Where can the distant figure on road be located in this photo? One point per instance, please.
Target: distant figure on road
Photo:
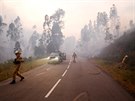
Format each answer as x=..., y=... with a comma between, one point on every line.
x=18, y=60
x=74, y=56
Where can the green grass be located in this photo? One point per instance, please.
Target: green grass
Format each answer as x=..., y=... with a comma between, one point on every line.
x=53, y=62
x=7, y=69
x=126, y=77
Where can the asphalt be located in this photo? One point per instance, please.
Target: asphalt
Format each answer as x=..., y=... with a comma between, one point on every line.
x=68, y=81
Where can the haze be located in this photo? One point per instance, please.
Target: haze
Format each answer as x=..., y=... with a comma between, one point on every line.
x=78, y=12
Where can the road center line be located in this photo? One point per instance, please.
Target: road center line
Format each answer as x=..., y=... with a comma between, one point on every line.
x=52, y=89
x=48, y=94
x=70, y=62
x=64, y=73
x=68, y=66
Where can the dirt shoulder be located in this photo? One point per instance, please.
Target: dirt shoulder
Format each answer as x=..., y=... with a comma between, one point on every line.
x=126, y=77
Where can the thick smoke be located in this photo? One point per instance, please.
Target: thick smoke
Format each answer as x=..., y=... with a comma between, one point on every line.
x=15, y=36
x=94, y=36
x=11, y=38
x=69, y=45
x=99, y=34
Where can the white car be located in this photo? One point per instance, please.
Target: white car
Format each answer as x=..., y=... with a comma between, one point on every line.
x=54, y=58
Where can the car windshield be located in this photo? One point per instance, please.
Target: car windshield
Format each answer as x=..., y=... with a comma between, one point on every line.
x=54, y=54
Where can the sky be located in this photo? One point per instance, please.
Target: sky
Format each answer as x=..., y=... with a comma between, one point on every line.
x=77, y=12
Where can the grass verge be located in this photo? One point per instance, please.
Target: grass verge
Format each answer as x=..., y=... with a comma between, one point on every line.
x=125, y=77
x=6, y=69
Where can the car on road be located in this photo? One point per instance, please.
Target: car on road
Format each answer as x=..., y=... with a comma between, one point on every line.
x=63, y=55
x=54, y=58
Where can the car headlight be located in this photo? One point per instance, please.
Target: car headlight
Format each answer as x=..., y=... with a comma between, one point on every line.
x=48, y=58
x=56, y=58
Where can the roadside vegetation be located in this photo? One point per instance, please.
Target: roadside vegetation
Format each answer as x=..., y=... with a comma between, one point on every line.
x=111, y=60
x=7, y=68
x=126, y=77
x=125, y=45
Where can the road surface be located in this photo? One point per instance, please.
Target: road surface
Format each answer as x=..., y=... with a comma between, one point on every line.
x=68, y=81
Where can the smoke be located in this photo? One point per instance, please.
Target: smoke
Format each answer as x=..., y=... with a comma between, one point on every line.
x=97, y=43
x=91, y=48
x=104, y=31
x=94, y=36
x=7, y=45
x=69, y=45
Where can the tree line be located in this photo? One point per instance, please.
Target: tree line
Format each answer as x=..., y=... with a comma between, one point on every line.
x=40, y=44
x=105, y=30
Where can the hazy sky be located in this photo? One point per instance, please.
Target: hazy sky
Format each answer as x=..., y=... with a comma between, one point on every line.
x=78, y=12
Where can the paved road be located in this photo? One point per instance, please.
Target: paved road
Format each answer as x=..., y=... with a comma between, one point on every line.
x=68, y=81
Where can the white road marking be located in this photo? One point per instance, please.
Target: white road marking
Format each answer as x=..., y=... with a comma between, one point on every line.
x=64, y=73
x=52, y=89
x=40, y=73
x=83, y=95
x=70, y=62
x=68, y=66
x=48, y=94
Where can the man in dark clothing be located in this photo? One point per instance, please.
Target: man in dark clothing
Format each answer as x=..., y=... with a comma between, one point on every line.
x=74, y=56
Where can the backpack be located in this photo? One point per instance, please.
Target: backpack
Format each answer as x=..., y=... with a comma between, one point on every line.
x=16, y=62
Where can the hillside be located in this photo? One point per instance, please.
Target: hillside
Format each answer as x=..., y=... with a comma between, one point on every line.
x=125, y=45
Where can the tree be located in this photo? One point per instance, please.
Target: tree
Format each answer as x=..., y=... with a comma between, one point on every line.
x=58, y=24
x=131, y=24
x=2, y=25
x=15, y=32
x=34, y=38
x=108, y=36
x=34, y=41
x=85, y=34
x=114, y=22
x=102, y=19
x=113, y=11
x=17, y=47
x=52, y=36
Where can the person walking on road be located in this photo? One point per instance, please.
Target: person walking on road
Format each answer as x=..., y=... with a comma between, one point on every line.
x=74, y=57
x=18, y=60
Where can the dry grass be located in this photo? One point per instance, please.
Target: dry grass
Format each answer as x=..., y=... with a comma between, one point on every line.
x=6, y=69
x=125, y=77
